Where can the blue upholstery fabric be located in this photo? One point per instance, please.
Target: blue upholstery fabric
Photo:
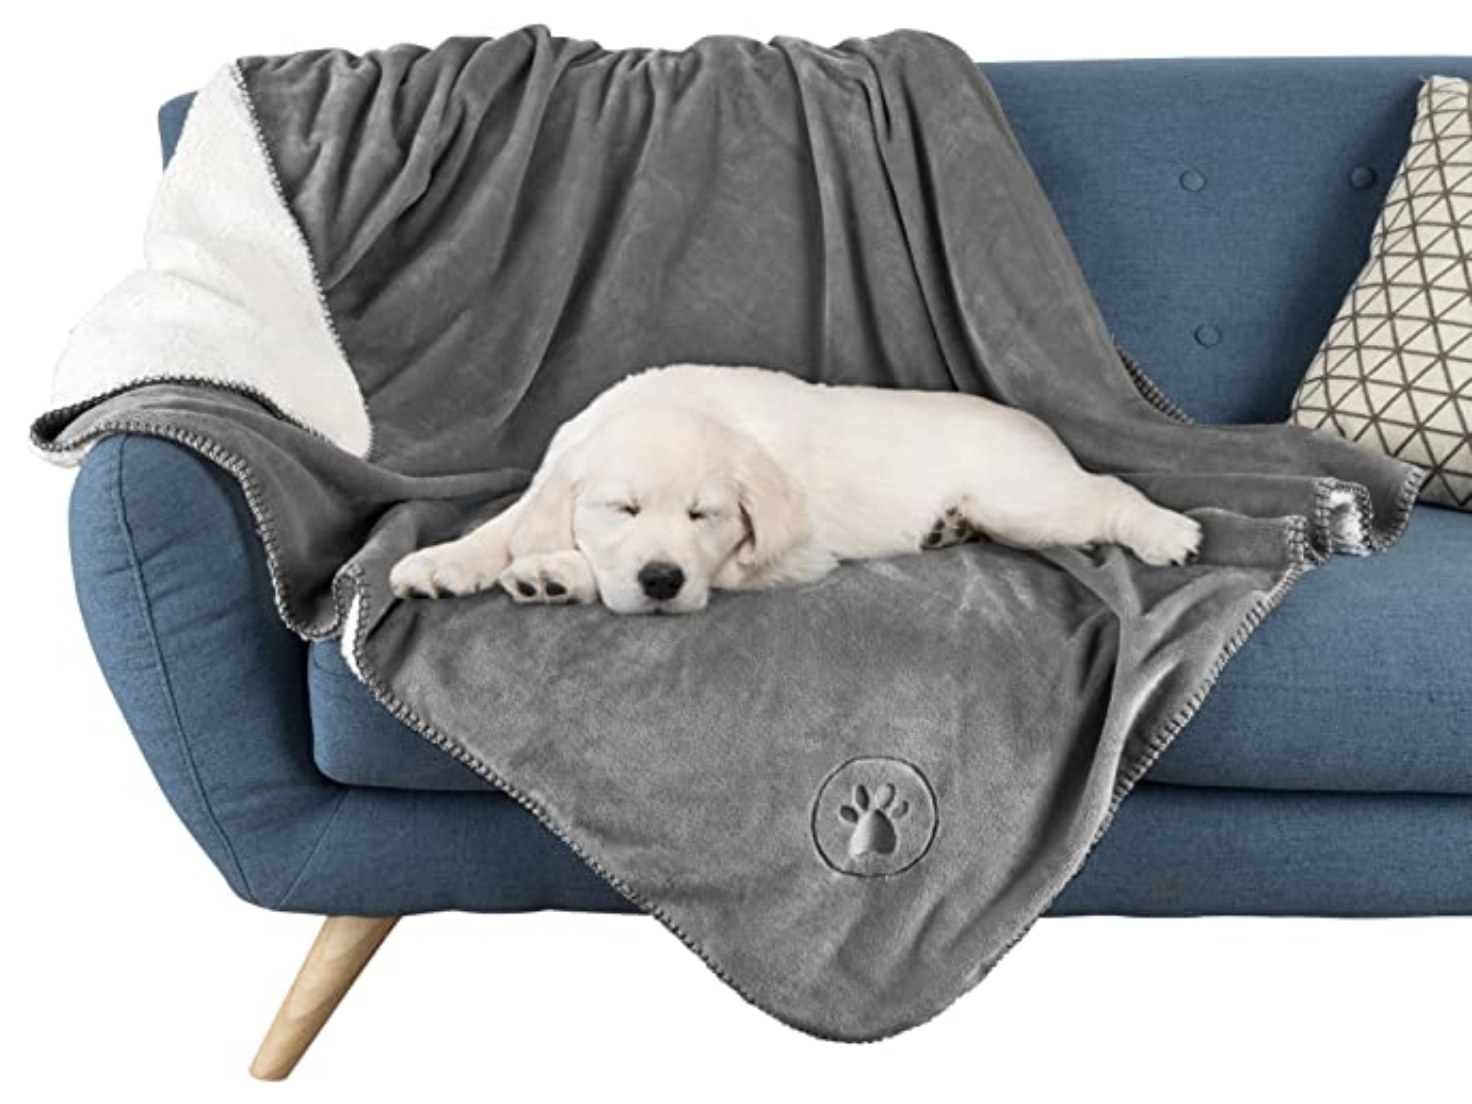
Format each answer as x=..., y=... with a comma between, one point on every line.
x=1220, y=282
x=1177, y=851
x=1213, y=204
x=1358, y=681
x=177, y=603
x=356, y=741
x=171, y=118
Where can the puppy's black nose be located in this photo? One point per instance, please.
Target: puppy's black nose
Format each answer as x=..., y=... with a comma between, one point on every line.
x=661, y=580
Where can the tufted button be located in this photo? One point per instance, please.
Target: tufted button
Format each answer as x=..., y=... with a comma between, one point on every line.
x=1192, y=180
x=1207, y=335
x=1363, y=177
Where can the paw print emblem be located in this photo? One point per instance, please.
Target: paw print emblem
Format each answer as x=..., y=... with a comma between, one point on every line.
x=873, y=821
x=874, y=816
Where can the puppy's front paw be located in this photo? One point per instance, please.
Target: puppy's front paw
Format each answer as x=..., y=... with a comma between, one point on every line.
x=551, y=578
x=443, y=571
x=1166, y=537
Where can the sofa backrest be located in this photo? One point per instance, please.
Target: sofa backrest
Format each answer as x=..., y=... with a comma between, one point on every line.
x=1220, y=208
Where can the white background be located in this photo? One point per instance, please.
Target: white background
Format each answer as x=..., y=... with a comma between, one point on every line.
x=127, y=967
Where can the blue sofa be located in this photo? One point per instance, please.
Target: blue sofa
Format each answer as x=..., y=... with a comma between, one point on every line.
x=1220, y=209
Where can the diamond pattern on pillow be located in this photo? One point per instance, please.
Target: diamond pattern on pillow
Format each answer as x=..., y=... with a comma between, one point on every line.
x=1394, y=372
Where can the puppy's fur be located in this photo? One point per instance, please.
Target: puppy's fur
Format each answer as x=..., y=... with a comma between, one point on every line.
x=687, y=478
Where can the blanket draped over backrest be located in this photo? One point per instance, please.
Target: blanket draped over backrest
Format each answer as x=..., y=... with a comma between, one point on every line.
x=376, y=284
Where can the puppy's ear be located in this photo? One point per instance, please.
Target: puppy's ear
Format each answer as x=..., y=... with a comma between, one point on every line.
x=544, y=514
x=774, y=507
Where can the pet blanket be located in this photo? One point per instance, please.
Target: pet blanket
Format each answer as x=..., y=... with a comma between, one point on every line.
x=375, y=285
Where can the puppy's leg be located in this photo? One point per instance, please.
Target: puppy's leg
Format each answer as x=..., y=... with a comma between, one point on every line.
x=472, y=563
x=1125, y=516
x=546, y=566
x=1157, y=535
x=804, y=564
x=537, y=525
x=550, y=578
x=1083, y=510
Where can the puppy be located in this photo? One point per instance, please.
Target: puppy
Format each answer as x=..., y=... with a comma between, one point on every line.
x=688, y=478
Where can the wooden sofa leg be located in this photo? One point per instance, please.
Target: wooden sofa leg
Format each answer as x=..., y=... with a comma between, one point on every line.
x=342, y=948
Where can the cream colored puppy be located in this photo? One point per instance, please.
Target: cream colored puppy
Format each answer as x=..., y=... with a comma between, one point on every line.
x=687, y=478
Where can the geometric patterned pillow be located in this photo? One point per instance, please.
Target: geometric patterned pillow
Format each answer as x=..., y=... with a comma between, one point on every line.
x=1394, y=371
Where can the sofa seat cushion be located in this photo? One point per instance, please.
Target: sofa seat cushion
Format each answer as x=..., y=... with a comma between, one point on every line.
x=1358, y=682
x=358, y=741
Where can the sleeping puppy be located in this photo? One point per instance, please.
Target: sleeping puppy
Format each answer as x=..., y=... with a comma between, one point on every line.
x=688, y=478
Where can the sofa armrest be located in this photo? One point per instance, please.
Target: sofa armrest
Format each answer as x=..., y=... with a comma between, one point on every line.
x=177, y=604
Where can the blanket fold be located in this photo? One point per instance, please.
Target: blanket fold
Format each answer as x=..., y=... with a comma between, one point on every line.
x=377, y=283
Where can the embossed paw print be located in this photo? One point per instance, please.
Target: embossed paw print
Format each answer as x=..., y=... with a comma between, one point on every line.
x=874, y=821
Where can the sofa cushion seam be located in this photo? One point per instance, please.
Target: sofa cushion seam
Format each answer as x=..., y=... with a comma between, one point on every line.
x=337, y=805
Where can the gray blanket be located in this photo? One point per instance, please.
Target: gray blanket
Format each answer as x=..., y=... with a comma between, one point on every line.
x=375, y=286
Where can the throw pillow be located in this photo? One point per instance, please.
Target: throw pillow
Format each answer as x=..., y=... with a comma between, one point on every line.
x=1395, y=370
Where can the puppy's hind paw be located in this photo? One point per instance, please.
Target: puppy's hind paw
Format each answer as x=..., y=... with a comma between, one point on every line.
x=952, y=527
x=1166, y=537
x=550, y=578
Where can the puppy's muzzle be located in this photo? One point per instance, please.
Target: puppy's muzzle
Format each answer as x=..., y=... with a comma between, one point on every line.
x=661, y=581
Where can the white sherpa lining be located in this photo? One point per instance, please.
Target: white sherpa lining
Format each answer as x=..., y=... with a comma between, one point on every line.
x=1346, y=527
x=348, y=643
x=228, y=293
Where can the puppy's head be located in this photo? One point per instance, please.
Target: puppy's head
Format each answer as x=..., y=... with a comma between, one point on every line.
x=662, y=497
